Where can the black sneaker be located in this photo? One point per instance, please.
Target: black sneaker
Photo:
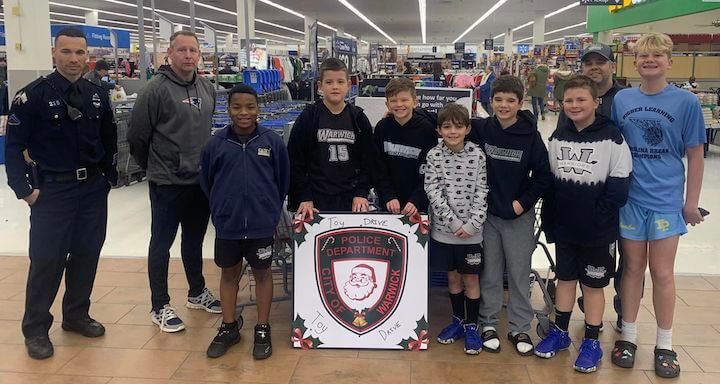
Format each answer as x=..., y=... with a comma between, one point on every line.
x=228, y=335
x=262, y=349
x=39, y=347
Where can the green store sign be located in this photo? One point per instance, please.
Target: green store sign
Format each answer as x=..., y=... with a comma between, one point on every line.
x=634, y=12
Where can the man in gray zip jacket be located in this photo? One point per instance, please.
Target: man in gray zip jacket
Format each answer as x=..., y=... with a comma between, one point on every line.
x=171, y=122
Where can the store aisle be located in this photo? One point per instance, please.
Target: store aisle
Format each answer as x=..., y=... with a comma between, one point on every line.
x=129, y=221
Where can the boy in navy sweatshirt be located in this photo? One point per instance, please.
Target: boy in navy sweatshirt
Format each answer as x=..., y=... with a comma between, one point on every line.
x=245, y=174
x=403, y=139
x=332, y=156
x=518, y=174
x=591, y=162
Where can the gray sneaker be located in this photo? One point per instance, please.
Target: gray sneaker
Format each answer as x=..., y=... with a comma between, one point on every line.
x=205, y=301
x=167, y=319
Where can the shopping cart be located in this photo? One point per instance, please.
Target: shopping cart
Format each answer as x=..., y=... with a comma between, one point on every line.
x=281, y=266
x=128, y=169
x=547, y=284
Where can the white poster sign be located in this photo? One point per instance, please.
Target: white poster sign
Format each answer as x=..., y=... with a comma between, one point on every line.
x=429, y=98
x=360, y=281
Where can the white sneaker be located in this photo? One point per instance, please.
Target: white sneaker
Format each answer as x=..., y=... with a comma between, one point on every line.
x=205, y=301
x=167, y=319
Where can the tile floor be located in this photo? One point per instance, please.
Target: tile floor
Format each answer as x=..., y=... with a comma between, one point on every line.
x=133, y=351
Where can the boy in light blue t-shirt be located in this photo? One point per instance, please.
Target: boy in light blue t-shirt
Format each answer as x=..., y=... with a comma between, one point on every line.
x=661, y=124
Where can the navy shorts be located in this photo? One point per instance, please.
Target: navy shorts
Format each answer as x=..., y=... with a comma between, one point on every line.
x=257, y=252
x=463, y=258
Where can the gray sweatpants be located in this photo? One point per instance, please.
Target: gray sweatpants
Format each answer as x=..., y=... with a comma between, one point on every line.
x=508, y=245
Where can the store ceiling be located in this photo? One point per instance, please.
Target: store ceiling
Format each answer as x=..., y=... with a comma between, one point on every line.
x=400, y=19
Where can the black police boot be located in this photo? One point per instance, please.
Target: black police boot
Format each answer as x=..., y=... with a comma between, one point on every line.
x=86, y=327
x=39, y=347
x=228, y=335
x=263, y=346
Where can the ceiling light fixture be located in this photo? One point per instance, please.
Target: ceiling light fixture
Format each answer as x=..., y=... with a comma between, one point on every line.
x=279, y=26
x=499, y=36
x=365, y=19
x=480, y=20
x=327, y=26
x=91, y=10
x=566, y=28
x=280, y=7
x=276, y=35
x=549, y=15
x=350, y=36
x=423, y=19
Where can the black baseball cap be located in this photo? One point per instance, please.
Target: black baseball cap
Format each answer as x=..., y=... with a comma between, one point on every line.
x=599, y=49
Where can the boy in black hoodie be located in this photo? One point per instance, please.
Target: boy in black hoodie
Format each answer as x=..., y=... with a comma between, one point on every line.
x=518, y=174
x=591, y=162
x=331, y=150
x=403, y=139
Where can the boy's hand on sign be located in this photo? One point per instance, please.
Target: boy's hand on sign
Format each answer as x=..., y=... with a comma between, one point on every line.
x=360, y=204
x=410, y=210
x=393, y=206
x=307, y=210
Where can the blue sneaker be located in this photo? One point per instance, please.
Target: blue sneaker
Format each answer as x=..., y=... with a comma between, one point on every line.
x=557, y=340
x=589, y=357
x=452, y=332
x=473, y=343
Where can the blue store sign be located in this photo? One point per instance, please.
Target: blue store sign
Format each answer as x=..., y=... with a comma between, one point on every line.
x=96, y=36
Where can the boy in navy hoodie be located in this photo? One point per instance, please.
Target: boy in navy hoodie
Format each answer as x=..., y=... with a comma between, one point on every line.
x=518, y=174
x=403, y=139
x=591, y=162
x=332, y=156
x=245, y=174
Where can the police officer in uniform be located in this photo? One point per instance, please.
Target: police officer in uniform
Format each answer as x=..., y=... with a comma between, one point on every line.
x=61, y=151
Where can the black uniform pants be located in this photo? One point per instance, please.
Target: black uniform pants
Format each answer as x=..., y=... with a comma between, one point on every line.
x=173, y=206
x=67, y=232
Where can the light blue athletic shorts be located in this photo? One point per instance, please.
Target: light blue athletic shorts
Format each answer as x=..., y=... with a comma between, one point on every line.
x=638, y=223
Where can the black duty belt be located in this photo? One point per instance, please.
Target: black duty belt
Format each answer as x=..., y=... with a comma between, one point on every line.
x=79, y=174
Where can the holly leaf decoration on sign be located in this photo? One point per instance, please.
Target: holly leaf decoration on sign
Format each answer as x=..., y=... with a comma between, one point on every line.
x=422, y=229
x=299, y=229
x=315, y=342
x=405, y=344
x=420, y=339
x=299, y=323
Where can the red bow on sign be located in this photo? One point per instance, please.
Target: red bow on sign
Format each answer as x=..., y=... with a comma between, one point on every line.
x=415, y=345
x=297, y=337
x=424, y=224
x=298, y=223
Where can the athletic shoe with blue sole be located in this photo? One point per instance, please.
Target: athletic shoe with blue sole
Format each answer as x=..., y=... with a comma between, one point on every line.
x=557, y=340
x=473, y=342
x=589, y=356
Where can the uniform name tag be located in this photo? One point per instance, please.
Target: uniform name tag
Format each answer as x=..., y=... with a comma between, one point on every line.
x=264, y=152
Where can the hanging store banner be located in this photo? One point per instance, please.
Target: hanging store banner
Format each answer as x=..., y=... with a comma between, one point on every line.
x=166, y=28
x=374, y=57
x=429, y=98
x=314, y=48
x=364, y=282
x=96, y=36
x=346, y=50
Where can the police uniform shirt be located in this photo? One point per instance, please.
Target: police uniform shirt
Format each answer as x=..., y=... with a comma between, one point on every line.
x=40, y=122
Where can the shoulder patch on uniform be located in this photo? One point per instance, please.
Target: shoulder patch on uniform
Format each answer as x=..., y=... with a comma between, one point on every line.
x=20, y=98
x=13, y=120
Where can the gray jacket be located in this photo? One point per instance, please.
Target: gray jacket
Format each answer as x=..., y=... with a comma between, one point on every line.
x=456, y=185
x=170, y=124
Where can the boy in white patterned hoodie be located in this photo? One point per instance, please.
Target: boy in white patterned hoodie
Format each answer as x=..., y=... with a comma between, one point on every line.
x=456, y=185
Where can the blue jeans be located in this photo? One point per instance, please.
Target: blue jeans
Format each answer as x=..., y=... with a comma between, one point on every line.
x=538, y=103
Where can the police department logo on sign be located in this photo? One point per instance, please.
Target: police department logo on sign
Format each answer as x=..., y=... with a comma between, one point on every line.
x=361, y=275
